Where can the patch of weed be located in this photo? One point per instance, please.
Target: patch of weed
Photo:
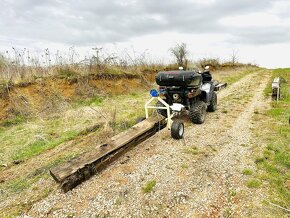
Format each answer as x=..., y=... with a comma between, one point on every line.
x=2, y=130
x=259, y=160
x=227, y=212
x=283, y=158
x=232, y=193
x=66, y=72
x=275, y=112
x=272, y=147
x=247, y=172
x=267, y=154
x=149, y=186
x=134, y=94
x=94, y=101
x=13, y=121
x=20, y=184
x=184, y=166
x=192, y=150
x=253, y=183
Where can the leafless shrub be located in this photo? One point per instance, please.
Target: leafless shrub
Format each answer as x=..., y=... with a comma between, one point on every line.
x=24, y=65
x=84, y=89
x=234, y=57
x=214, y=63
x=180, y=53
x=18, y=65
x=19, y=105
x=53, y=104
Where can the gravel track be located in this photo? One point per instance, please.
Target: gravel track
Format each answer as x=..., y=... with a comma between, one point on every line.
x=199, y=176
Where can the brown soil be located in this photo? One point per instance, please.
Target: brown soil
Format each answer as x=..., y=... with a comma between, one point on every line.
x=43, y=95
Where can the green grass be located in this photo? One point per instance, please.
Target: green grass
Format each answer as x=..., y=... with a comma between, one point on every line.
x=274, y=160
x=67, y=73
x=247, y=172
x=13, y=121
x=274, y=112
x=253, y=183
x=184, y=166
x=238, y=75
x=259, y=160
x=20, y=184
x=2, y=130
x=94, y=101
x=128, y=108
x=41, y=146
x=192, y=150
x=149, y=186
x=284, y=74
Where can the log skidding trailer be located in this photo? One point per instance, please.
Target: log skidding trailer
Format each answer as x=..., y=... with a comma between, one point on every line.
x=75, y=171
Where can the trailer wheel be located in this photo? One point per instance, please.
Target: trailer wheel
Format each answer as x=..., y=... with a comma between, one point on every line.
x=177, y=129
x=163, y=112
x=213, y=103
x=197, y=112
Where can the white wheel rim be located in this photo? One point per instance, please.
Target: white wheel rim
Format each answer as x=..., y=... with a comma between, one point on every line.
x=181, y=130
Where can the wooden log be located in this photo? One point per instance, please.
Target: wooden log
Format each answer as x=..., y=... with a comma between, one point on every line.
x=74, y=172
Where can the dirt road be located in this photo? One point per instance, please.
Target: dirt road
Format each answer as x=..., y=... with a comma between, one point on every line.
x=198, y=177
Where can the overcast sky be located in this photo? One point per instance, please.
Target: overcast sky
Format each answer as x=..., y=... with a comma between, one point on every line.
x=258, y=30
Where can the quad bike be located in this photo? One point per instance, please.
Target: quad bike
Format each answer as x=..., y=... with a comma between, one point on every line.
x=194, y=90
x=180, y=90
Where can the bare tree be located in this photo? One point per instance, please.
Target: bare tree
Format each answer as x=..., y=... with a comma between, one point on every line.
x=234, y=57
x=180, y=52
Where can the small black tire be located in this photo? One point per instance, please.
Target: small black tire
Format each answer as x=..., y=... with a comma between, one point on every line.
x=213, y=103
x=163, y=112
x=140, y=119
x=177, y=129
x=197, y=112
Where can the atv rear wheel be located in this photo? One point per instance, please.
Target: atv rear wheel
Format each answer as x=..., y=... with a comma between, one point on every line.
x=197, y=112
x=163, y=112
x=177, y=129
x=213, y=103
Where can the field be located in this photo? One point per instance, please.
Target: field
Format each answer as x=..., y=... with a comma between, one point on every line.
x=235, y=164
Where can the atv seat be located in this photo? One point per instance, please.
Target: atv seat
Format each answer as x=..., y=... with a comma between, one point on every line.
x=206, y=77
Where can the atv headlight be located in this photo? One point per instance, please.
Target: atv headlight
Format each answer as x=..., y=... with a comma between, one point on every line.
x=175, y=96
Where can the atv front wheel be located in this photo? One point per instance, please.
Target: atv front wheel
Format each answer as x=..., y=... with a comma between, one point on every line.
x=213, y=103
x=177, y=129
x=197, y=112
